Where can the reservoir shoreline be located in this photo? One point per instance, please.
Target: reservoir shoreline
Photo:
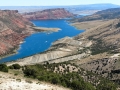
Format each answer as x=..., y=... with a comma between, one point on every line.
x=66, y=30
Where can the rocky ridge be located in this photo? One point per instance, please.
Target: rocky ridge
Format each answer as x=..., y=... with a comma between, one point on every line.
x=13, y=29
x=58, y=13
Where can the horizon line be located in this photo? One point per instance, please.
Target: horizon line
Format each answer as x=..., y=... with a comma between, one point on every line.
x=55, y=5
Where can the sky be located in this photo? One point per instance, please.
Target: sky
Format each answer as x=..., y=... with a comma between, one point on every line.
x=53, y=2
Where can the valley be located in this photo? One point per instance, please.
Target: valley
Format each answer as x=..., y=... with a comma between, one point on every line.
x=91, y=55
x=43, y=40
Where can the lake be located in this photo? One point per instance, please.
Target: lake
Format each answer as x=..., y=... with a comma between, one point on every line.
x=39, y=42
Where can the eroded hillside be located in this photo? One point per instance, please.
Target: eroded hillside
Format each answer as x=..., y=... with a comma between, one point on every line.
x=105, y=48
x=58, y=13
x=105, y=36
x=13, y=29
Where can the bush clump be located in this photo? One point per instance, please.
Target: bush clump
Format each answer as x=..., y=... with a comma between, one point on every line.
x=70, y=80
x=3, y=68
x=15, y=66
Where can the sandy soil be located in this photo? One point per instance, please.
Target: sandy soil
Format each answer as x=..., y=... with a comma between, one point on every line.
x=11, y=82
x=46, y=29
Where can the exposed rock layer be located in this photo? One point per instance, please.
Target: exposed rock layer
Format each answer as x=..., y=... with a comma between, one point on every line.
x=13, y=29
x=58, y=13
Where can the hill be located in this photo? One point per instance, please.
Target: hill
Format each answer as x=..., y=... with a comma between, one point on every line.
x=62, y=74
x=58, y=13
x=13, y=29
x=12, y=80
x=102, y=27
x=105, y=48
x=101, y=15
x=97, y=50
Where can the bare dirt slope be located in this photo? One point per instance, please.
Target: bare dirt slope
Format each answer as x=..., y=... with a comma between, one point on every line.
x=11, y=82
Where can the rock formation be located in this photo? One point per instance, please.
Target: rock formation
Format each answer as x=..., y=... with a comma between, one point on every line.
x=58, y=13
x=13, y=29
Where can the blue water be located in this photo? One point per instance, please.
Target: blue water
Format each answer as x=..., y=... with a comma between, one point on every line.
x=39, y=42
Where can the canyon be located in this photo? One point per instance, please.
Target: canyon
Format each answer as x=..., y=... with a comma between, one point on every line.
x=14, y=28
x=96, y=50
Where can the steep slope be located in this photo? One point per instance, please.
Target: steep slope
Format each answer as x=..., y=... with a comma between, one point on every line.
x=102, y=28
x=9, y=81
x=105, y=36
x=94, y=50
x=13, y=29
x=58, y=13
x=68, y=75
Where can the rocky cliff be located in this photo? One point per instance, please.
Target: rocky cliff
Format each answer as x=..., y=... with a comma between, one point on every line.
x=58, y=13
x=13, y=29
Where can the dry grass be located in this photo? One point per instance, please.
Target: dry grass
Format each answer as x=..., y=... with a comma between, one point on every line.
x=89, y=24
x=90, y=58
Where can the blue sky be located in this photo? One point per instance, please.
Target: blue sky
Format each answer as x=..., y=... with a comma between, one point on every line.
x=53, y=2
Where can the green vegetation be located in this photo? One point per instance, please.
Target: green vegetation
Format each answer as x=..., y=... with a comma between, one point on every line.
x=54, y=74
x=15, y=66
x=118, y=25
x=70, y=80
x=3, y=68
x=106, y=85
x=65, y=74
x=101, y=47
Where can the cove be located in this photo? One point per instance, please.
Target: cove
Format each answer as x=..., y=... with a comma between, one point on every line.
x=39, y=42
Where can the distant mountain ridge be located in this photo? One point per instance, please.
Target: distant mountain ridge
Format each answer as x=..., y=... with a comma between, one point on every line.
x=77, y=9
x=104, y=14
x=58, y=13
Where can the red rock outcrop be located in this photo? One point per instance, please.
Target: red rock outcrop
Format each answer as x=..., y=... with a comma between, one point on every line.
x=58, y=13
x=13, y=29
